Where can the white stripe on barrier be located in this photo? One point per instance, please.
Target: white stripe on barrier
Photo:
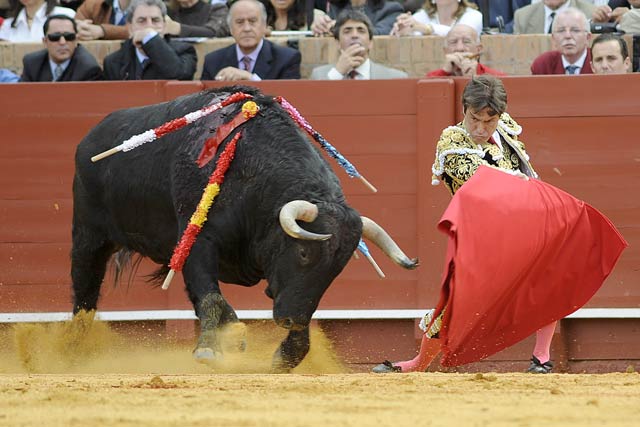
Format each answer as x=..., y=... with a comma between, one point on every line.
x=113, y=316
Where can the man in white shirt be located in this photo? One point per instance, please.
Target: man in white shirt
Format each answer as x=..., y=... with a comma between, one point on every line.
x=353, y=31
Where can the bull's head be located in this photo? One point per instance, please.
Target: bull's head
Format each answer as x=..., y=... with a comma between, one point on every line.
x=306, y=267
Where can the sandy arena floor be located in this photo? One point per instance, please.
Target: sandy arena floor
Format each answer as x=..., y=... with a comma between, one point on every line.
x=111, y=381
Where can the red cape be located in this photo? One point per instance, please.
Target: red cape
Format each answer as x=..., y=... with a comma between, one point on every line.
x=520, y=255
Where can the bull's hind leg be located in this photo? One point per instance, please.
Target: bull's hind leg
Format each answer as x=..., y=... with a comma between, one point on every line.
x=291, y=351
x=89, y=256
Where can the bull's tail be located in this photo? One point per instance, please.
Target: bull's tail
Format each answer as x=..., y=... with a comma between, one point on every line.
x=127, y=260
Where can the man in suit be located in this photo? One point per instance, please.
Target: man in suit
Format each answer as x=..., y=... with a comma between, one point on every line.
x=354, y=32
x=63, y=60
x=462, y=49
x=571, y=34
x=147, y=54
x=537, y=18
x=252, y=57
x=501, y=12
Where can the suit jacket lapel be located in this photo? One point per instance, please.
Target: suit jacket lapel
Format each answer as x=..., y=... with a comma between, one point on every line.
x=230, y=58
x=536, y=23
x=45, y=71
x=263, y=62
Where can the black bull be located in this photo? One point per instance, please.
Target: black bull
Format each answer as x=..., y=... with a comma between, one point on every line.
x=141, y=201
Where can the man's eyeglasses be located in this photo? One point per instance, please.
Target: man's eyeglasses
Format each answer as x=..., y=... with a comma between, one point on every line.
x=54, y=37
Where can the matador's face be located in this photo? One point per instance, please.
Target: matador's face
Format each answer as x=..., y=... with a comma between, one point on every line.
x=480, y=124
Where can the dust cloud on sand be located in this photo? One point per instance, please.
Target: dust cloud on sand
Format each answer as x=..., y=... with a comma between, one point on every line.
x=49, y=378
x=85, y=346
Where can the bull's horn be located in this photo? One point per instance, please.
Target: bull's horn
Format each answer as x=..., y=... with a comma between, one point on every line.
x=303, y=211
x=381, y=239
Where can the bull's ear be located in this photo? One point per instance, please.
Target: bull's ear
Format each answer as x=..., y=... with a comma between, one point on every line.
x=303, y=211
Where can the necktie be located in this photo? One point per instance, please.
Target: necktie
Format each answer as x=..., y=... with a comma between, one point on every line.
x=571, y=69
x=57, y=73
x=142, y=66
x=352, y=75
x=553, y=15
x=246, y=63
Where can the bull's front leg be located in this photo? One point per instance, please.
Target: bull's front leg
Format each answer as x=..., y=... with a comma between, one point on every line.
x=215, y=314
x=201, y=277
x=291, y=351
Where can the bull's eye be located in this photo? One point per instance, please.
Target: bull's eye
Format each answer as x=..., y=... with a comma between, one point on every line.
x=303, y=256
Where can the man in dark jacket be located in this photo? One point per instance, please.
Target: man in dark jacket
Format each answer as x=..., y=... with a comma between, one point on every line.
x=148, y=55
x=63, y=60
x=252, y=57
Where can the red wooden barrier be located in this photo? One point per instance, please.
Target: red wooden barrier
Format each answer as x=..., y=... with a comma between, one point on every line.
x=580, y=133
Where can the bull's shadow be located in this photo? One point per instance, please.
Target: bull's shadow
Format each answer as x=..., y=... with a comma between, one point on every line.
x=149, y=198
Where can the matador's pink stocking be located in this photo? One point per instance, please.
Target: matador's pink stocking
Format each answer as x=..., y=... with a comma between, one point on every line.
x=543, y=342
x=429, y=349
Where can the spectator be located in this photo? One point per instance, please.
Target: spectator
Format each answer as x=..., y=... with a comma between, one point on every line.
x=538, y=18
x=462, y=50
x=102, y=19
x=196, y=18
x=382, y=14
x=630, y=21
x=438, y=17
x=147, y=54
x=610, y=55
x=8, y=76
x=27, y=18
x=354, y=33
x=252, y=57
x=286, y=15
x=501, y=13
x=612, y=12
x=571, y=34
x=62, y=60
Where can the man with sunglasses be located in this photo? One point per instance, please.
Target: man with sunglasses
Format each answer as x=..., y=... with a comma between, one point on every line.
x=63, y=60
x=571, y=35
x=148, y=54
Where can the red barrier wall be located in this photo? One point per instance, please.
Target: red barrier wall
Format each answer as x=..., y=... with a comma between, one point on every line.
x=580, y=132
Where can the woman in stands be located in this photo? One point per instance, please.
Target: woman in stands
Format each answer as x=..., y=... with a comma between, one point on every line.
x=438, y=17
x=27, y=17
x=286, y=15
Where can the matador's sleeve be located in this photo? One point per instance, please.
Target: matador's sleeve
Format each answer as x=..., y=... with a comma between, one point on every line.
x=457, y=158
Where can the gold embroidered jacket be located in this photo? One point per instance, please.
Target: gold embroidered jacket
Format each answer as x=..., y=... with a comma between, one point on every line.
x=458, y=158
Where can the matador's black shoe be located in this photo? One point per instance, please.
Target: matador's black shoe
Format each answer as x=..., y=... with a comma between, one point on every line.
x=539, y=368
x=385, y=368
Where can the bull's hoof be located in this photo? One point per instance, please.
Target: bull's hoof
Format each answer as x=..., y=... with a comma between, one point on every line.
x=206, y=355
